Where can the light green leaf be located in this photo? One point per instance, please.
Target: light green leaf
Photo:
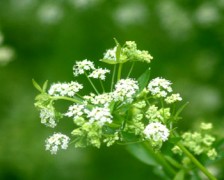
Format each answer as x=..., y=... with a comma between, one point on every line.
x=144, y=79
x=109, y=61
x=180, y=175
x=45, y=85
x=37, y=86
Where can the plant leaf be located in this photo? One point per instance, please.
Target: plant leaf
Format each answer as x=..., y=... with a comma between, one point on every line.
x=37, y=86
x=180, y=175
x=45, y=85
x=144, y=79
x=109, y=61
x=142, y=154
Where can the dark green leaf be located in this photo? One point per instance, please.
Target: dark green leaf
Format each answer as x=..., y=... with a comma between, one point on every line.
x=144, y=79
x=37, y=86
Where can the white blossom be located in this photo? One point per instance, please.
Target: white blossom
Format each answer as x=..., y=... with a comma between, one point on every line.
x=75, y=111
x=125, y=90
x=65, y=89
x=173, y=98
x=57, y=141
x=100, y=114
x=110, y=54
x=47, y=116
x=99, y=73
x=159, y=87
x=101, y=99
x=81, y=66
x=156, y=131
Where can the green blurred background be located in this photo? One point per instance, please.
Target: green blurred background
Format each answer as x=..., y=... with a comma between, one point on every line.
x=42, y=40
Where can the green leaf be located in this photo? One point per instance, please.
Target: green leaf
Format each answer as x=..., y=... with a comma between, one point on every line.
x=143, y=154
x=144, y=79
x=45, y=85
x=180, y=175
x=37, y=86
x=109, y=61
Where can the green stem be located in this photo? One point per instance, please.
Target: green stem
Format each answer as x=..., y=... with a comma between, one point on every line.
x=113, y=77
x=196, y=162
x=132, y=66
x=92, y=84
x=161, y=160
x=119, y=72
x=101, y=83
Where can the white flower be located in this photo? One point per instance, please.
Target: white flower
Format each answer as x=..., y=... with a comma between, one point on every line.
x=159, y=87
x=99, y=73
x=81, y=66
x=101, y=99
x=57, y=141
x=101, y=115
x=125, y=90
x=156, y=131
x=65, y=89
x=75, y=110
x=110, y=54
x=47, y=117
x=173, y=98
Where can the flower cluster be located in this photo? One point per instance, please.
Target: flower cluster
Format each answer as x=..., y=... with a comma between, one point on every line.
x=199, y=142
x=81, y=67
x=156, y=132
x=57, y=141
x=99, y=73
x=48, y=117
x=65, y=89
x=125, y=89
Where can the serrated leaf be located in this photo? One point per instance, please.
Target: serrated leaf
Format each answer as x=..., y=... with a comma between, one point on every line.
x=144, y=79
x=180, y=175
x=37, y=86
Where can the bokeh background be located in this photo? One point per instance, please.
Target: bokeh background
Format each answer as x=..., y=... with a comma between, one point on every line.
x=42, y=39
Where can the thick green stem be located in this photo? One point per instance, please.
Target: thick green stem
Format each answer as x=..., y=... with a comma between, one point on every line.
x=92, y=84
x=196, y=162
x=119, y=72
x=113, y=78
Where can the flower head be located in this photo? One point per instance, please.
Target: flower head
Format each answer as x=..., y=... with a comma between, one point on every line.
x=65, y=89
x=57, y=141
x=47, y=116
x=173, y=98
x=156, y=131
x=125, y=89
x=159, y=87
x=99, y=73
x=101, y=115
x=101, y=99
x=75, y=111
x=110, y=54
x=81, y=66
